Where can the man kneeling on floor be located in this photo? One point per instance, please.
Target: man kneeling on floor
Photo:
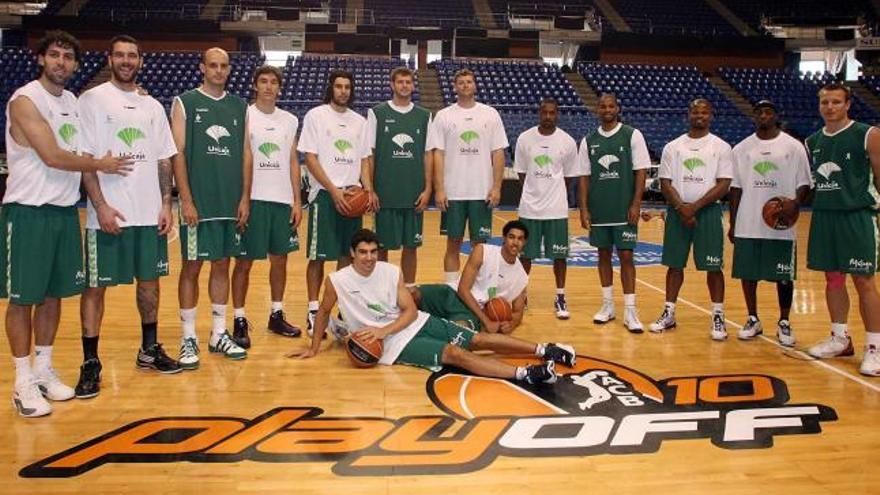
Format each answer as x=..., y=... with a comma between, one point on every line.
x=373, y=299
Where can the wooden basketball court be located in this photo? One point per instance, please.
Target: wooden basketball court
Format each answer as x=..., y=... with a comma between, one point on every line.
x=675, y=412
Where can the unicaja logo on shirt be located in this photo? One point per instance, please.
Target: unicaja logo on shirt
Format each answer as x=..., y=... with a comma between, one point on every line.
x=606, y=161
x=401, y=140
x=378, y=308
x=469, y=137
x=67, y=131
x=343, y=146
x=216, y=132
x=825, y=170
x=543, y=161
x=693, y=163
x=129, y=135
x=268, y=149
x=764, y=168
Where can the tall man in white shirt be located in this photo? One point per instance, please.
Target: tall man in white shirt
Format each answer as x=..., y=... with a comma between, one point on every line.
x=469, y=140
x=41, y=251
x=331, y=141
x=546, y=160
x=128, y=218
x=610, y=195
x=275, y=204
x=695, y=172
x=767, y=164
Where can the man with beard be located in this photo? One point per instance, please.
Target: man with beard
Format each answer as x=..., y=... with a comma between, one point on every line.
x=374, y=300
x=695, y=172
x=767, y=164
x=490, y=271
x=331, y=141
x=546, y=159
x=610, y=196
x=469, y=140
x=128, y=218
x=399, y=168
x=41, y=251
x=275, y=204
x=213, y=176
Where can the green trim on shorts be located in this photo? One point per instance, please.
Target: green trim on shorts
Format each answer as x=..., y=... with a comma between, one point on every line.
x=329, y=235
x=41, y=252
x=138, y=252
x=269, y=231
x=608, y=236
x=399, y=227
x=210, y=240
x=843, y=241
x=550, y=234
x=425, y=350
x=764, y=259
x=475, y=213
x=707, y=238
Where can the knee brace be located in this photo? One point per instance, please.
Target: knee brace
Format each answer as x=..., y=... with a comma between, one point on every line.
x=834, y=280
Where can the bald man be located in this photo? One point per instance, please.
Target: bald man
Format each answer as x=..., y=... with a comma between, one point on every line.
x=213, y=175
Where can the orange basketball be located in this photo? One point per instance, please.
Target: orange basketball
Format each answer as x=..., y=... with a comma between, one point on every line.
x=362, y=354
x=774, y=214
x=358, y=202
x=498, y=309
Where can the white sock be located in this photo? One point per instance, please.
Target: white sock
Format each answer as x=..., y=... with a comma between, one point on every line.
x=42, y=358
x=313, y=305
x=277, y=306
x=218, y=315
x=717, y=308
x=839, y=330
x=188, y=322
x=608, y=293
x=409, y=286
x=541, y=348
x=451, y=278
x=238, y=313
x=23, y=372
x=670, y=307
x=873, y=338
x=520, y=373
x=560, y=292
x=629, y=300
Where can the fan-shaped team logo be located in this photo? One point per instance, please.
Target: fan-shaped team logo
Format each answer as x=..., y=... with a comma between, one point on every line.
x=130, y=134
x=66, y=132
x=765, y=167
x=596, y=407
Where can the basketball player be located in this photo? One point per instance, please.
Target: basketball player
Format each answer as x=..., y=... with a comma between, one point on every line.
x=331, y=141
x=615, y=157
x=469, y=140
x=491, y=271
x=213, y=176
x=400, y=170
x=41, y=251
x=375, y=302
x=695, y=172
x=128, y=218
x=767, y=164
x=843, y=232
x=546, y=159
x=275, y=210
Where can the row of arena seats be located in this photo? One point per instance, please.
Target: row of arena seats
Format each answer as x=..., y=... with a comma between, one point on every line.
x=510, y=83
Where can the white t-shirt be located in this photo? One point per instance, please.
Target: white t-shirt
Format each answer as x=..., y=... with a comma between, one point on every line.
x=764, y=169
x=467, y=136
x=498, y=278
x=546, y=161
x=32, y=182
x=336, y=138
x=272, y=137
x=694, y=165
x=133, y=125
x=372, y=301
x=641, y=159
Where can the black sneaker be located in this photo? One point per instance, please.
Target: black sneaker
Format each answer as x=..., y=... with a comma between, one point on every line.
x=89, y=383
x=541, y=373
x=240, y=332
x=277, y=324
x=155, y=358
x=560, y=354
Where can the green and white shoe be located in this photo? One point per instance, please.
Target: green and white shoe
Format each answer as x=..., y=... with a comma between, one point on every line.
x=223, y=343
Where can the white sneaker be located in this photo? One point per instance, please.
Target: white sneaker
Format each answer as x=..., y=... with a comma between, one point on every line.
x=310, y=321
x=833, y=346
x=50, y=385
x=784, y=333
x=870, y=362
x=223, y=344
x=189, y=353
x=631, y=320
x=29, y=401
x=338, y=329
x=605, y=314
x=666, y=321
x=719, y=328
x=751, y=329
x=561, y=308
